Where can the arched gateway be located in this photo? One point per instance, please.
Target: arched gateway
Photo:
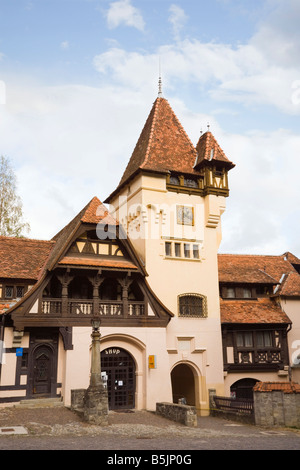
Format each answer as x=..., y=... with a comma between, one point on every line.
x=183, y=384
x=118, y=370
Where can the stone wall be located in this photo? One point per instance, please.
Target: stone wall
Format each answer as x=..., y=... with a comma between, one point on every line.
x=77, y=397
x=183, y=414
x=277, y=404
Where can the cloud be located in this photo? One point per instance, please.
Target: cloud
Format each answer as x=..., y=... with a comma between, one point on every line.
x=64, y=45
x=263, y=209
x=123, y=12
x=177, y=18
x=240, y=74
x=73, y=142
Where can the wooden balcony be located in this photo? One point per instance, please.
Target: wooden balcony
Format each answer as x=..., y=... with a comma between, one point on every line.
x=85, y=308
x=256, y=359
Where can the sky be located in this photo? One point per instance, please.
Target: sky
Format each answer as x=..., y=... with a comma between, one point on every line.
x=78, y=79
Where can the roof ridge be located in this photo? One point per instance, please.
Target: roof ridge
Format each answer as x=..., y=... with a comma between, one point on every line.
x=182, y=128
x=151, y=131
x=4, y=237
x=249, y=254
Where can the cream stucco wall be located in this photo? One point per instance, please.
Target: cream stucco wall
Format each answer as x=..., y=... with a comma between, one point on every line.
x=292, y=308
x=140, y=343
x=147, y=211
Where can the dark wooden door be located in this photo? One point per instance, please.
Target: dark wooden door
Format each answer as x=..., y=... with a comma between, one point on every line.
x=119, y=367
x=42, y=370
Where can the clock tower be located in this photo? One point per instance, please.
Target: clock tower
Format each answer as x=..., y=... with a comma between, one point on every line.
x=169, y=201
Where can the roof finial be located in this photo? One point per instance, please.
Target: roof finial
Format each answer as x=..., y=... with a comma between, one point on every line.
x=159, y=83
x=159, y=88
x=208, y=126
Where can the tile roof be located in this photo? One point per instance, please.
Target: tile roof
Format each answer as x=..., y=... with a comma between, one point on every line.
x=252, y=268
x=290, y=286
x=96, y=212
x=99, y=262
x=285, y=387
x=5, y=306
x=261, y=310
x=291, y=258
x=93, y=213
x=209, y=150
x=23, y=258
x=164, y=146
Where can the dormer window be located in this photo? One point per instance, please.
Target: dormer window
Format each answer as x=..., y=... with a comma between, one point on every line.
x=174, y=180
x=190, y=183
x=239, y=292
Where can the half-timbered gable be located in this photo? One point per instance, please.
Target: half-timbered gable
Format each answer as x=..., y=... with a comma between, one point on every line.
x=86, y=276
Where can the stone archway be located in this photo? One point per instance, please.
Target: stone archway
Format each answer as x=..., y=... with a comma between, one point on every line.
x=118, y=368
x=243, y=388
x=183, y=384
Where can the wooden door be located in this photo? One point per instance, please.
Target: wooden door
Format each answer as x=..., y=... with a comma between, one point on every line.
x=119, y=367
x=42, y=370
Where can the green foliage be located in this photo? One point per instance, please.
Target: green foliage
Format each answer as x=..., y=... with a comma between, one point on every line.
x=11, y=213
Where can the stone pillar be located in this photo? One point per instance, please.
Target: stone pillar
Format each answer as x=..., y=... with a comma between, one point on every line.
x=95, y=402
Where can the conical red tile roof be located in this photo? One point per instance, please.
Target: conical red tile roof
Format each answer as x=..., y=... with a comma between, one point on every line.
x=209, y=150
x=163, y=145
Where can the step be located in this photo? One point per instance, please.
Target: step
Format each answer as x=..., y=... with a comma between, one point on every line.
x=40, y=403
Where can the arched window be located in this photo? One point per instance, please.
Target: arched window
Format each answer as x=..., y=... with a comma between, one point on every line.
x=192, y=305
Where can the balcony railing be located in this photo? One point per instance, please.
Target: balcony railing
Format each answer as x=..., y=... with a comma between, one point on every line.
x=83, y=308
x=110, y=309
x=52, y=307
x=80, y=307
x=258, y=356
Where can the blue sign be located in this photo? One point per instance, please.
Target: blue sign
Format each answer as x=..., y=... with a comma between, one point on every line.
x=19, y=352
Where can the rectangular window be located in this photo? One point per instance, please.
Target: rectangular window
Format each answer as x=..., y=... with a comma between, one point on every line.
x=185, y=215
x=168, y=249
x=196, y=252
x=230, y=294
x=19, y=291
x=177, y=250
x=264, y=339
x=244, y=340
x=9, y=292
x=247, y=293
x=187, y=253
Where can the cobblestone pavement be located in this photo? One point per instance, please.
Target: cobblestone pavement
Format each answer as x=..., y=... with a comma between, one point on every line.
x=62, y=429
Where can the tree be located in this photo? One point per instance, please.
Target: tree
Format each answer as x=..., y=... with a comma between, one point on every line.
x=11, y=212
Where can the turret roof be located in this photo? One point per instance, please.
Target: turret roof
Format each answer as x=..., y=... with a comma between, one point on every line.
x=164, y=146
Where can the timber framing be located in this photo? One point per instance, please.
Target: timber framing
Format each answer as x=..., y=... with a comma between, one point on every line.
x=77, y=280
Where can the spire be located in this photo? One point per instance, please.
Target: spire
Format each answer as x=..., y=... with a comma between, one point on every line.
x=163, y=146
x=159, y=88
x=159, y=82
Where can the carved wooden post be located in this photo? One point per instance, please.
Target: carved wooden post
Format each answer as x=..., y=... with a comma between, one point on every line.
x=125, y=285
x=65, y=280
x=96, y=282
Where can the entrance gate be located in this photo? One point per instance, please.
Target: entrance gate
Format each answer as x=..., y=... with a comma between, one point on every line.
x=118, y=369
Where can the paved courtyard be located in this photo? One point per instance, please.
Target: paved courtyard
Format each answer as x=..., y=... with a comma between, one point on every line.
x=63, y=429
